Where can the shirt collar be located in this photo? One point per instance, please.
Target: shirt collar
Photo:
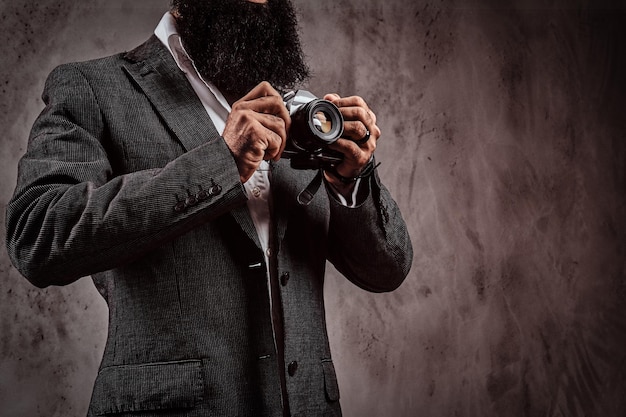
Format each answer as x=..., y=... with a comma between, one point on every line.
x=165, y=29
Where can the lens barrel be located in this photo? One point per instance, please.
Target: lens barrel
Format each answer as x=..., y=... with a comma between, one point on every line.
x=315, y=125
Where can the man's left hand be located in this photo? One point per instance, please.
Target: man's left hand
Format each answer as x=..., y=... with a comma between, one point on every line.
x=359, y=122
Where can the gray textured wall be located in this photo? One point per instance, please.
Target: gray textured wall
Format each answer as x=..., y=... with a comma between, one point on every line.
x=504, y=144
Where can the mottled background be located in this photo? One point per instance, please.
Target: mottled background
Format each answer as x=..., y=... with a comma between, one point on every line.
x=504, y=144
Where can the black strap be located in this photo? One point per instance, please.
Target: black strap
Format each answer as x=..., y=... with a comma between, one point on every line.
x=306, y=196
x=366, y=172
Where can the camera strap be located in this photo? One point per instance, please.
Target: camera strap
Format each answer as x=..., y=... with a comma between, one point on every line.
x=306, y=196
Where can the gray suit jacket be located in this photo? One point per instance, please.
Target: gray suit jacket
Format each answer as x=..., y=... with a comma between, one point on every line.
x=126, y=179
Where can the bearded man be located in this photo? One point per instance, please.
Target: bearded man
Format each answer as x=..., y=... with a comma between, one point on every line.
x=158, y=173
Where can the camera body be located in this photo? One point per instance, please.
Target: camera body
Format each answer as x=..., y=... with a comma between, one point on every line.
x=315, y=124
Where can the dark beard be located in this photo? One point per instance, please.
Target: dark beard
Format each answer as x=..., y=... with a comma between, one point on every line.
x=236, y=44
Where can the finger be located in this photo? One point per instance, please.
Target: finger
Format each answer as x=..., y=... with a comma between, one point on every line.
x=357, y=113
x=332, y=97
x=275, y=125
x=358, y=123
x=262, y=137
x=247, y=133
x=354, y=108
x=266, y=136
x=352, y=101
x=263, y=89
x=275, y=146
x=264, y=98
x=271, y=105
x=355, y=130
x=266, y=104
x=355, y=157
x=360, y=133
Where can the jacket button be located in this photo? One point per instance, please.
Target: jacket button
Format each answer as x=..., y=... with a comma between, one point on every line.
x=180, y=207
x=202, y=195
x=215, y=189
x=284, y=278
x=292, y=368
x=191, y=201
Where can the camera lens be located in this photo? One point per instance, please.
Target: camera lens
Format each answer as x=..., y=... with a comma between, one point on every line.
x=322, y=121
x=315, y=124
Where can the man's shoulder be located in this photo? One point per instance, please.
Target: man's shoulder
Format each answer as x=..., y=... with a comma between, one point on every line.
x=112, y=64
x=94, y=64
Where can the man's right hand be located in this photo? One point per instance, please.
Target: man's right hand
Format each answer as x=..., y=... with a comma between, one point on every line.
x=256, y=129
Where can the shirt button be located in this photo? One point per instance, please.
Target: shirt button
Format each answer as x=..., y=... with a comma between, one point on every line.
x=292, y=368
x=256, y=191
x=269, y=252
x=284, y=278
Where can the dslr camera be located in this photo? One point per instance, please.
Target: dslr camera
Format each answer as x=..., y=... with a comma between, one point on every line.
x=315, y=124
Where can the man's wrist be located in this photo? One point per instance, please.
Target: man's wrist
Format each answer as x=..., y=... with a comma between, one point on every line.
x=343, y=188
x=367, y=171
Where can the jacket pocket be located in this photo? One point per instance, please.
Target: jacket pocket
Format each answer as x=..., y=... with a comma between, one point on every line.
x=330, y=380
x=146, y=387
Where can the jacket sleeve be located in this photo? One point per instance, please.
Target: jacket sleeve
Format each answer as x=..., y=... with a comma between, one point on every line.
x=370, y=244
x=70, y=216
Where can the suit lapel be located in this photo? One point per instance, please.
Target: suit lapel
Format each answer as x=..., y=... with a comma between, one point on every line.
x=154, y=70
